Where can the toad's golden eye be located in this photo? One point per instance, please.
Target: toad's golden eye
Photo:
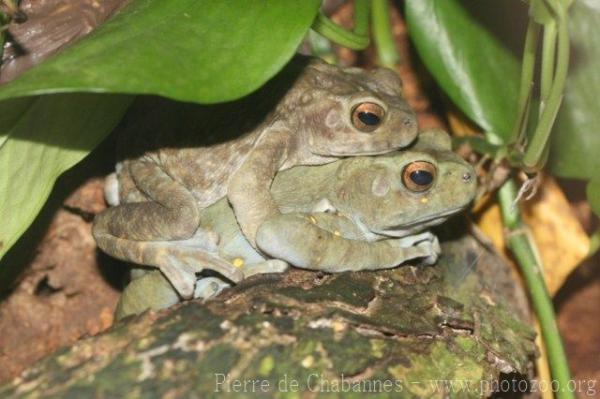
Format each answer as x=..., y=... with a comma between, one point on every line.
x=419, y=176
x=366, y=117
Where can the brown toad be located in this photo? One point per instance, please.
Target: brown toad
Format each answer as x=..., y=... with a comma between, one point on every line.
x=187, y=161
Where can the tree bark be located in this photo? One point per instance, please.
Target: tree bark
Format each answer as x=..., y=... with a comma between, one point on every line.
x=451, y=330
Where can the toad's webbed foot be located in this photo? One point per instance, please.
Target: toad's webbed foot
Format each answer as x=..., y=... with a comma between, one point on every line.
x=180, y=265
x=209, y=287
x=427, y=242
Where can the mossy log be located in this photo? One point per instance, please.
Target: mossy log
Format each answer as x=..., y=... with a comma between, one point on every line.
x=451, y=330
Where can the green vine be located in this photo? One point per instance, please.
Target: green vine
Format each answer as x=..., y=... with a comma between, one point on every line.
x=530, y=152
x=383, y=35
x=524, y=250
x=357, y=39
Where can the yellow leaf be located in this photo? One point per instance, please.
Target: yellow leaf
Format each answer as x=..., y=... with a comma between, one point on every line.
x=560, y=239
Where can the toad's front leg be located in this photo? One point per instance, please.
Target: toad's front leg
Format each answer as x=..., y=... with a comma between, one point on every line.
x=297, y=239
x=248, y=189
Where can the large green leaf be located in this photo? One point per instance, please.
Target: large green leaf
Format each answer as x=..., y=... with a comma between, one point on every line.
x=39, y=139
x=468, y=61
x=190, y=50
x=575, y=150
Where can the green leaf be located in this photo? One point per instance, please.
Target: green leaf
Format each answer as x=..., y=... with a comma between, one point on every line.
x=593, y=194
x=576, y=137
x=471, y=64
x=41, y=138
x=10, y=112
x=189, y=50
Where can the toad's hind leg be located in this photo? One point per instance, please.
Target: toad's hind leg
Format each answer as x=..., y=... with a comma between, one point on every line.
x=150, y=291
x=153, y=291
x=178, y=260
x=161, y=232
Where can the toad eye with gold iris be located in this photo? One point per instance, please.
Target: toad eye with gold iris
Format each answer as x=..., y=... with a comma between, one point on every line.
x=419, y=176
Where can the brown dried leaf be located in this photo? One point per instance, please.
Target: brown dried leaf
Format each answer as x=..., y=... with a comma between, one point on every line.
x=562, y=242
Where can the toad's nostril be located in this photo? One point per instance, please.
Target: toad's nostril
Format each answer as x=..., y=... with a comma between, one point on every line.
x=466, y=177
x=407, y=121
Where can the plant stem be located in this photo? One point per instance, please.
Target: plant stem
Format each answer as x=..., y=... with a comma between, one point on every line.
x=361, y=17
x=523, y=248
x=548, y=61
x=383, y=35
x=357, y=40
x=527, y=68
x=533, y=154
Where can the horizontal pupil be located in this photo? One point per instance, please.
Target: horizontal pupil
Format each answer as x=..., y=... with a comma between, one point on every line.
x=421, y=177
x=368, y=118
